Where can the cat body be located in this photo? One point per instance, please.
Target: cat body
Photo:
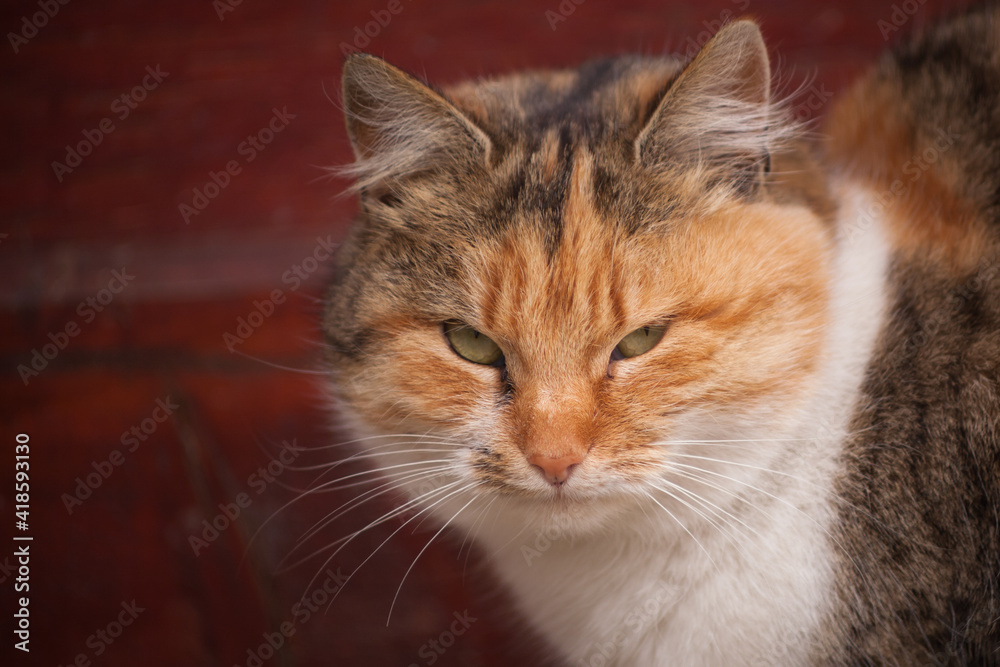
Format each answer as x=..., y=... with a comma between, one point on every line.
x=623, y=328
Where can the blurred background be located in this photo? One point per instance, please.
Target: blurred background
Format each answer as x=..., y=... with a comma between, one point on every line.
x=165, y=217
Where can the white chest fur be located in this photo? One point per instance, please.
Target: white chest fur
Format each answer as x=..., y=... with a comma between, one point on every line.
x=641, y=592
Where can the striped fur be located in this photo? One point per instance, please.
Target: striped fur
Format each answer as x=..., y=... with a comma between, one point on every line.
x=787, y=477
x=921, y=481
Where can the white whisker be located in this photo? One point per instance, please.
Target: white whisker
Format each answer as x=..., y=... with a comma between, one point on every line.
x=421, y=553
x=745, y=465
x=437, y=502
x=392, y=436
x=390, y=486
x=823, y=528
x=694, y=496
x=681, y=524
x=388, y=516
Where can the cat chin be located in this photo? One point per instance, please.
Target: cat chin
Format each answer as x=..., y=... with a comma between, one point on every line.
x=563, y=515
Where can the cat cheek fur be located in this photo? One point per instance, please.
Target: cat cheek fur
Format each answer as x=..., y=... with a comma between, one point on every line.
x=748, y=309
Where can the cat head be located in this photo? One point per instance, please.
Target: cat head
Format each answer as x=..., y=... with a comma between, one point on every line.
x=560, y=279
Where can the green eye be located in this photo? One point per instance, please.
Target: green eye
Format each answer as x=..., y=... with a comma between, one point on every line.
x=638, y=342
x=472, y=345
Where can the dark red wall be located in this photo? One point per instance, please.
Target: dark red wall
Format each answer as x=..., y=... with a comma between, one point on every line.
x=157, y=330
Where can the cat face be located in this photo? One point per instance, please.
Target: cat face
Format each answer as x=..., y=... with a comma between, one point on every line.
x=553, y=310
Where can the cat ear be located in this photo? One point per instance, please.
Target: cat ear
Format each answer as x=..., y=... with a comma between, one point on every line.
x=399, y=126
x=717, y=114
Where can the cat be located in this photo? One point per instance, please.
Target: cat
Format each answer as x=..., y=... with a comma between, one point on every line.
x=703, y=389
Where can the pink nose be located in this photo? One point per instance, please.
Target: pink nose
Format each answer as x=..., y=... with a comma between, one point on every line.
x=556, y=471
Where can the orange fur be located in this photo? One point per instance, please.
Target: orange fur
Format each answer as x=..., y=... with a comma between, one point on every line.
x=874, y=138
x=743, y=290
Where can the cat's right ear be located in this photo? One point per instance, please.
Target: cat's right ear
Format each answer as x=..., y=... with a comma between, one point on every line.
x=718, y=113
x=399, y=126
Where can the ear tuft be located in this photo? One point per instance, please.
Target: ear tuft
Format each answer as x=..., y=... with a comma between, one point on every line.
x=399, y=126
x=718, y=114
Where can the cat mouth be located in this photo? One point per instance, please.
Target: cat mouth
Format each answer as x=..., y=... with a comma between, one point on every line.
x=558, y=496
x=566, y=495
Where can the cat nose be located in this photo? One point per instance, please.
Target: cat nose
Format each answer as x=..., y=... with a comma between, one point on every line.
x=556, y=470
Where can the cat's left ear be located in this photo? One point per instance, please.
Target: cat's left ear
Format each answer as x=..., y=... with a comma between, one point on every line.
x=718, y=112
x=399, y=126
